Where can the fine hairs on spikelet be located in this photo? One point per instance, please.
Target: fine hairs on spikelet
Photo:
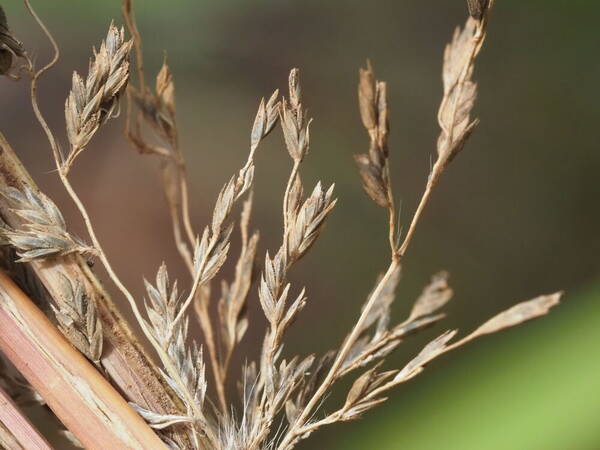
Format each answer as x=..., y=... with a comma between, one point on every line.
x=280, y=394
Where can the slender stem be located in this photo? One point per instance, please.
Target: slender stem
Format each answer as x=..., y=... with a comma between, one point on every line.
x=392, y=223
x=299, y=427
x=390, y=384
x=438, y=166
x=164, y=357
x=339, y=360
x=205, y=324
x=129, y=16
x=415, y=220
x=185, y=205
x=197, y=284
x=182, y=247
x=166, y=360
x=34, y=77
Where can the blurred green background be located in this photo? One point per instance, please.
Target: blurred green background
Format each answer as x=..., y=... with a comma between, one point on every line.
x=515, y=216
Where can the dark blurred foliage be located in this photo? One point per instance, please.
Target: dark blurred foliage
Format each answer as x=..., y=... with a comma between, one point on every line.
x=516, y=215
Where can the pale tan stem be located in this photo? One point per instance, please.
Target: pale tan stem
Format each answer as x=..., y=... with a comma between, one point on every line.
x=129, y=17
x=392, y=223
x=80, y=397
x=196, y=283
x=18, y=425
x=438, y=166
x=182, y=247
x=415, y=220
x=209, y=337
x=185, y=206
x=62, y=172
x=164, y=357
x=293, y=431
x=124, y=358
x=166, y=360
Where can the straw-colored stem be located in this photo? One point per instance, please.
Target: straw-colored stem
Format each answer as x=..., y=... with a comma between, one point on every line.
x=124, y=358
x=164, y=357
x=293, y=432
x=80, y=397
x=16, y=431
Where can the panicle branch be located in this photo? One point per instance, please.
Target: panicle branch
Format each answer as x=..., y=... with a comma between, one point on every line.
x=93, y=101
x=293, y=388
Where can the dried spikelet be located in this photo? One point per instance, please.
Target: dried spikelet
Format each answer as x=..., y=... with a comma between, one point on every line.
x=162, y=305
x=93, y=101
x=519, y=313
x=265, y=120
x=159, y=111
x=276, y=385
x=294, y=121
x=187, y=370
x=434, y=296
x=10, y=47
x=303, y=222
x=459, y=93
x=306, y=222
x=78, y=320
x=211, y=250
x=357, y=400
x=232, y=304
x=44, y=233
x=432, y=350
x=367, y=349
x=477, y=8
x=160, y=421
x=190, y=365
x=379, y=312
x=294, y=406
x=374, y=165
x=165, y=88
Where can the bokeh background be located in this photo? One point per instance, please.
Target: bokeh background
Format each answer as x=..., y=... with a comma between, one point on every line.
x=515, y=216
